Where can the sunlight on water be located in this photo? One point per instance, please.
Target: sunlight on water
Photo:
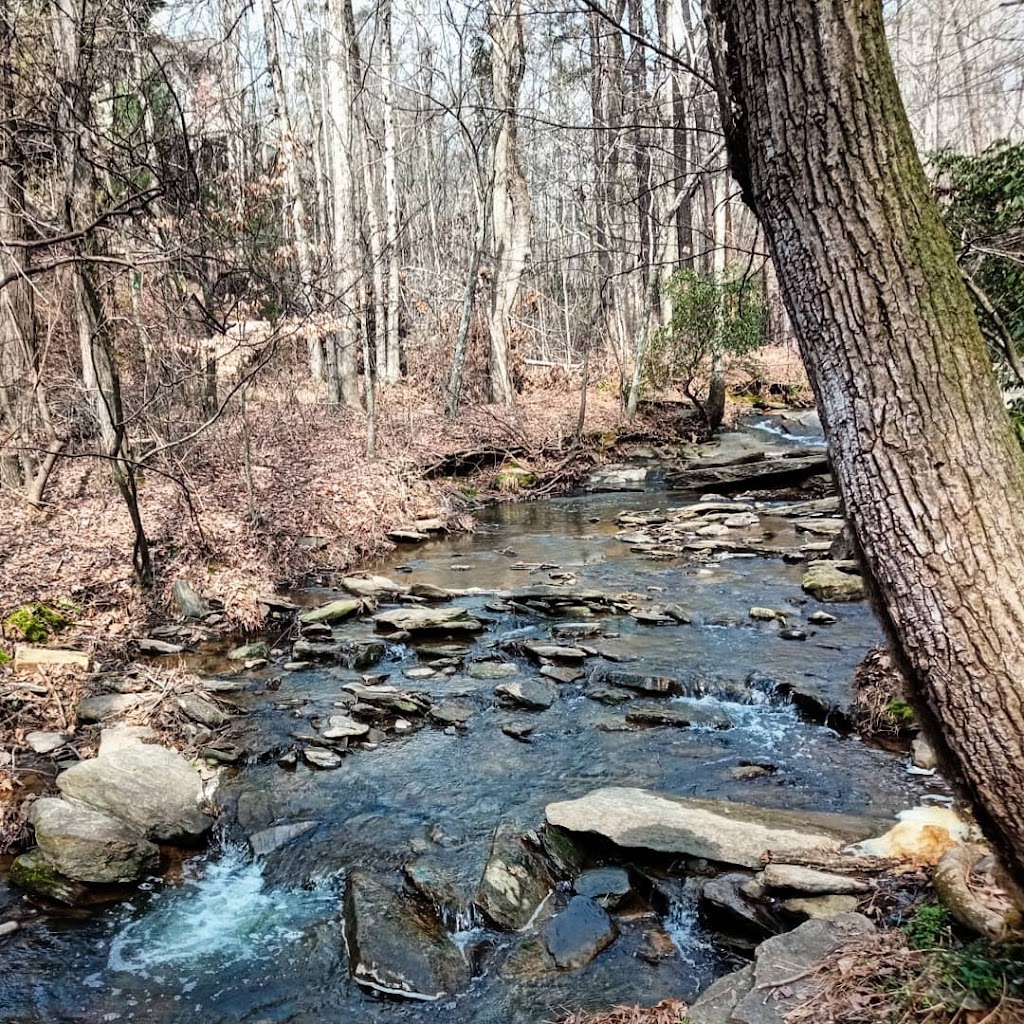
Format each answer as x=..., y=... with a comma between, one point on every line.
x=223, y=914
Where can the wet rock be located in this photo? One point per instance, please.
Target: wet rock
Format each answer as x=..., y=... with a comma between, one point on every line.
x=617, y=478
x=610, y=695
x=518, y=731
x=89, y=846
x=561, y=673
x=115, y=737
x=249, y=652
x=745, y=772
x=373, y=586
x=780, y=978
x=766, y=615
x=417, y=620
x=342, y=727
x=577, y=934
x=408, y=536
x=923, y=754
x=191, y=603
x=824, y=907
x=657, y=946
x=450, y=713
x=109, y=705
x=532, y=694
x=653, y=617
x=640, y=681
x=395, y=945
x=820, y=618
x=491, y=670
x=334, y=611
x=46, y=742
x=151, y=647
x=428, y=592
x=515, y=881
x=267, y=840
x=726, y=908
x=288, y=760
x=834, y=581
x=8, y=928
x=718, y=830
x=154, y=790
x=441, y=652
x=792, y=634
x=678, y=714
x=33, y=873
x=820, y=526
x=607, y=886
x=321, y=757
x=810, y=881
x=354, y=654
x=421, y=672
x=555, y=652
x=202, y=710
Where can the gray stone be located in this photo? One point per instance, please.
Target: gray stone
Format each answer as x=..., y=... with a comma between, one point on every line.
x=202, y=710
x=716, y=1004
x=428, y=592
x=418, y=620
x=267, y=840
x=518, y=731
x=152, y=647
x=807, y=880
x=555, y=652
x=610, y=695
x=395, y=945
x=608, y=886
x=46, y=742
x=115, y=737
x=321, y=757
x=826, y=907
x=820, y=618
x=107, y=705
x=8, y=928
x=491, y=670
x=450, y=713
x=154, y=790
x=250, y=652
x=561, y=673
x=341, y=727
x=532, y=694
x=89, y=846
x=35, y=874
x=834, y=581
x=640, y=681
x=679, y=714
x=333, y=611
x=515, y=880
x=727, y=909
x=373, y=586
x=718, y=830
x=923, y=754
x=577, y=934
x=192, y=604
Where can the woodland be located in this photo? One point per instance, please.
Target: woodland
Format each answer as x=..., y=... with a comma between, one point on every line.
x=281, y=280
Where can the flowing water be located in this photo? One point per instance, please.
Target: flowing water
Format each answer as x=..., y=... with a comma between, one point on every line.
x=235, y=940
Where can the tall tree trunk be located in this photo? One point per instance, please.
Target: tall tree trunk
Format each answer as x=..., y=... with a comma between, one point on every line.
x=510, y=197
x=392, y=368
x=294, y=201
x=928, y=468
x=343, y=347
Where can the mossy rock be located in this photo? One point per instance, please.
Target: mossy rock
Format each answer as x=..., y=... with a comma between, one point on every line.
x=35, y=622
x=510, y=479
x=34, y=873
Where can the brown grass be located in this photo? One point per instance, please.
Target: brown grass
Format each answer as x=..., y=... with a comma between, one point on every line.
x=668, y=1011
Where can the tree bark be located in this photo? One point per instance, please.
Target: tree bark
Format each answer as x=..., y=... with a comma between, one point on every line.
x=927, y=465
x=392, y=364
x=510, y=197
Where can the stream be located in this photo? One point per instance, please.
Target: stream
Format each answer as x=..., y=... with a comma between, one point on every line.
x=233, y=939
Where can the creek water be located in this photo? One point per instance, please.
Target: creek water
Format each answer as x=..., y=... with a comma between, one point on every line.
x=234, y=940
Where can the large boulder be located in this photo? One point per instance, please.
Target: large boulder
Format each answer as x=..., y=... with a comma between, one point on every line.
x=515, y=881
x=150, y=788
x=88, y=846
x=729, y=833
x=395, y=945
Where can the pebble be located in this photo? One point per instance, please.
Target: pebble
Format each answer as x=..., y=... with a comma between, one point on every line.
x=8, y=928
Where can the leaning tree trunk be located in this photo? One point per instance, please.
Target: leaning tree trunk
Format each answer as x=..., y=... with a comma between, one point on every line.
x=930, y=473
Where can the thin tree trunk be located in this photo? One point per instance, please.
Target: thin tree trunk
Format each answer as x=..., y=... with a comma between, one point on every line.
x=927, y=465
x=392, y=364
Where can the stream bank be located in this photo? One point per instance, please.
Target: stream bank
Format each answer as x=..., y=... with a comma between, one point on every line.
x=602, y=660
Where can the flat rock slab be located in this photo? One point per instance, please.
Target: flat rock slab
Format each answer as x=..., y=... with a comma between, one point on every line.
x=27, y=658
x=577, y=934
x=110, y=705
x=417, y=620
x=640, y=681
x=729, y=833
x=342, y=727
x=335, y=611
x=373, y=586
x=151, y=789
x=532, y=694
x=492, y=670
x=88, y=846
x=809, y=881
x=395, y=945
x=678, y=714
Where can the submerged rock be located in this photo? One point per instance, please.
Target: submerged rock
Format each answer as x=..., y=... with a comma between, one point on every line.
x=150, y=788
x=88, y=846
x=395, y=945
x=641, y=681
x=577, y=934
x=729, y=833
x=267, y=840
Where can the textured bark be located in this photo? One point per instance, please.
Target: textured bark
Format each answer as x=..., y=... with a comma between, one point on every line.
x=392, y=363
x=928, y=468
x=510, y=197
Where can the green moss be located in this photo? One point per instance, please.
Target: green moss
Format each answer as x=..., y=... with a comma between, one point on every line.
x=4, y=657
x=35, y=623
x=899, y=712
x=512, y=478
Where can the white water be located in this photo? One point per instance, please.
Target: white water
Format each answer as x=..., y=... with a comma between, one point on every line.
x=222, y=914
x=684, y=929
